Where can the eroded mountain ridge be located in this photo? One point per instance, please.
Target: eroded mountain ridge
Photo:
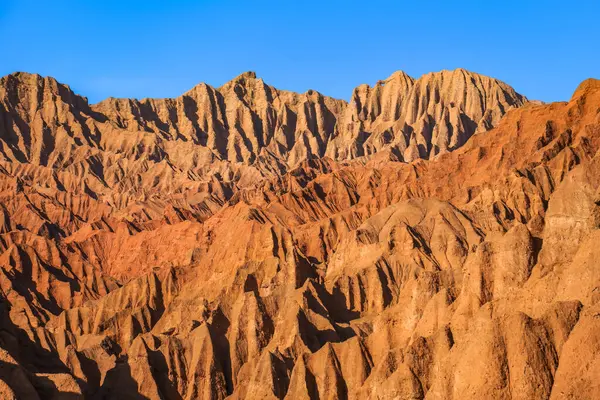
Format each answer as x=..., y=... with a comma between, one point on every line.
x=248, y=242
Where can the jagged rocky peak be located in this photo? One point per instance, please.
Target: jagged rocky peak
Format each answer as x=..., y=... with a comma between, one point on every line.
x=243, y=77
x=444, y=109
x=421, y=118
x=36, y=91
x=42, y=120
x=248, y=88
x=588, y=86
x=383, y=101
x=472, y=94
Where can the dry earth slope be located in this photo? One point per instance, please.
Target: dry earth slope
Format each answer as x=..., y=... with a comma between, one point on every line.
x=430, y=239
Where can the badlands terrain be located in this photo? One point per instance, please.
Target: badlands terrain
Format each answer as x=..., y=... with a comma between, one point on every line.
x=432, y=238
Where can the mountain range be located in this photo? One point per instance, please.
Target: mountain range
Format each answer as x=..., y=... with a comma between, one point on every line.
x=432, y=238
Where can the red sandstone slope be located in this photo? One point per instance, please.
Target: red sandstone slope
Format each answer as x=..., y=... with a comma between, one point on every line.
x=199, y=247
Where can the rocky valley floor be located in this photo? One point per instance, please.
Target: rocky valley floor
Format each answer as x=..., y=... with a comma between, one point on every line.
x=432, y=238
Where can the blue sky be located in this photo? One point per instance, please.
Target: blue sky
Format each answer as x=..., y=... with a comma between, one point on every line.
x=162, y=48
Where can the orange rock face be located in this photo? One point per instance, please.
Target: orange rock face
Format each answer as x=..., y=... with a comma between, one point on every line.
x=430, y=239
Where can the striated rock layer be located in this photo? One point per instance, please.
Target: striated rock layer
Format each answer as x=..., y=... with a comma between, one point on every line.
x=430, y=239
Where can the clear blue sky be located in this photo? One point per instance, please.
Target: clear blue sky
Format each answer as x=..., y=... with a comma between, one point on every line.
x=148, y=48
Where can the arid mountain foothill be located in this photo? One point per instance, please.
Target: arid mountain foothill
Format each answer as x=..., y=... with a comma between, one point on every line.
x=432, y=238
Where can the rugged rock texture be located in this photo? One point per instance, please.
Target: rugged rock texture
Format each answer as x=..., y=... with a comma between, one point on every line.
x=251, y=243
x=423, y=118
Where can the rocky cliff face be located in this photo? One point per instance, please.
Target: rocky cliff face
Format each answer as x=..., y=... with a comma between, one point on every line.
x=430, y=239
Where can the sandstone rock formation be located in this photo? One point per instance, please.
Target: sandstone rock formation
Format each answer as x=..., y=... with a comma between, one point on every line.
x=431, y=239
